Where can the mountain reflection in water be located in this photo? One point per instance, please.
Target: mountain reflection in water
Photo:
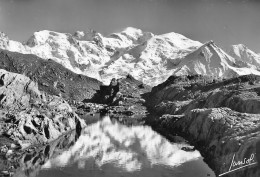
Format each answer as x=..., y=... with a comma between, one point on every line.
x=108, y=148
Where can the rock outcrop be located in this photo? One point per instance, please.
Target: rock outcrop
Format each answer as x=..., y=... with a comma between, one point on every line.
x=123, y=97
x=224, y=136
x=29, y=116
x=30, y=162
x=220, y=117
x=179, y=94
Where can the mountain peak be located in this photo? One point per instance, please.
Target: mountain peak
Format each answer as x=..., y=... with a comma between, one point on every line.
x=137, y=36
x=132, y=30
x=245, y=56
x=173, y=34
x=87, y=35
x=240, y=46
x=207, y=59
x=79, y=34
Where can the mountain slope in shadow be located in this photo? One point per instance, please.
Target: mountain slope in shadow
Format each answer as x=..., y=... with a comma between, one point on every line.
x=51, y=77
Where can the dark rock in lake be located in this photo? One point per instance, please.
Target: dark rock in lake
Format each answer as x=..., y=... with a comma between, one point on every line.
x=188, y=149
x=123, y=97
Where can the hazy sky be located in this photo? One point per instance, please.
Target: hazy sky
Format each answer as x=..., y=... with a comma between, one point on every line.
x=225, y=21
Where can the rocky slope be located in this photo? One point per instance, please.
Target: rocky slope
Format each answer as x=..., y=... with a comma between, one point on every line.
x=221, y=117
x=228, y=139
x=81, y=91
x=147, y=57
x=29, y=116
x=51, y=77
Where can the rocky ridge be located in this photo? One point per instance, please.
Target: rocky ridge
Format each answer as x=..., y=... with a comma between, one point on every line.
x=211, y=60
x=51, y=77
x=220, y=117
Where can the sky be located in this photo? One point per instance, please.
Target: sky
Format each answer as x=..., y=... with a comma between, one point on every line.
x=226, y=22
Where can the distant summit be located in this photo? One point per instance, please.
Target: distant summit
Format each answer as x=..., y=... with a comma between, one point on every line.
x=244, y=56
x=211, y=60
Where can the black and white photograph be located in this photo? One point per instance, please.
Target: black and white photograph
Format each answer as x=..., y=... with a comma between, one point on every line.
x=129, y=88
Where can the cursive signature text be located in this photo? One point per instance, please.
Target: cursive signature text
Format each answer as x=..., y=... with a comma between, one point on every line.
x=236, y=165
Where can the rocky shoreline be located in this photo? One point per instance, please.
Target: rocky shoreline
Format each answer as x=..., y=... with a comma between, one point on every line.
x=30, y=117
x=220, y=118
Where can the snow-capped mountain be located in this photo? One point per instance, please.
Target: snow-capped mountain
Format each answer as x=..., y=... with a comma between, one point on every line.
x=153, y=61
x=164, y=55
x=147, y=57
x=211, y=60
x=83, y=53
x=244, y=56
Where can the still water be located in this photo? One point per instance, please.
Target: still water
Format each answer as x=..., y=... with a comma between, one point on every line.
x=108, y=148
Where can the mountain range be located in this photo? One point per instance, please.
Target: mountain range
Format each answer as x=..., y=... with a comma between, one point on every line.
x=148, y=57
